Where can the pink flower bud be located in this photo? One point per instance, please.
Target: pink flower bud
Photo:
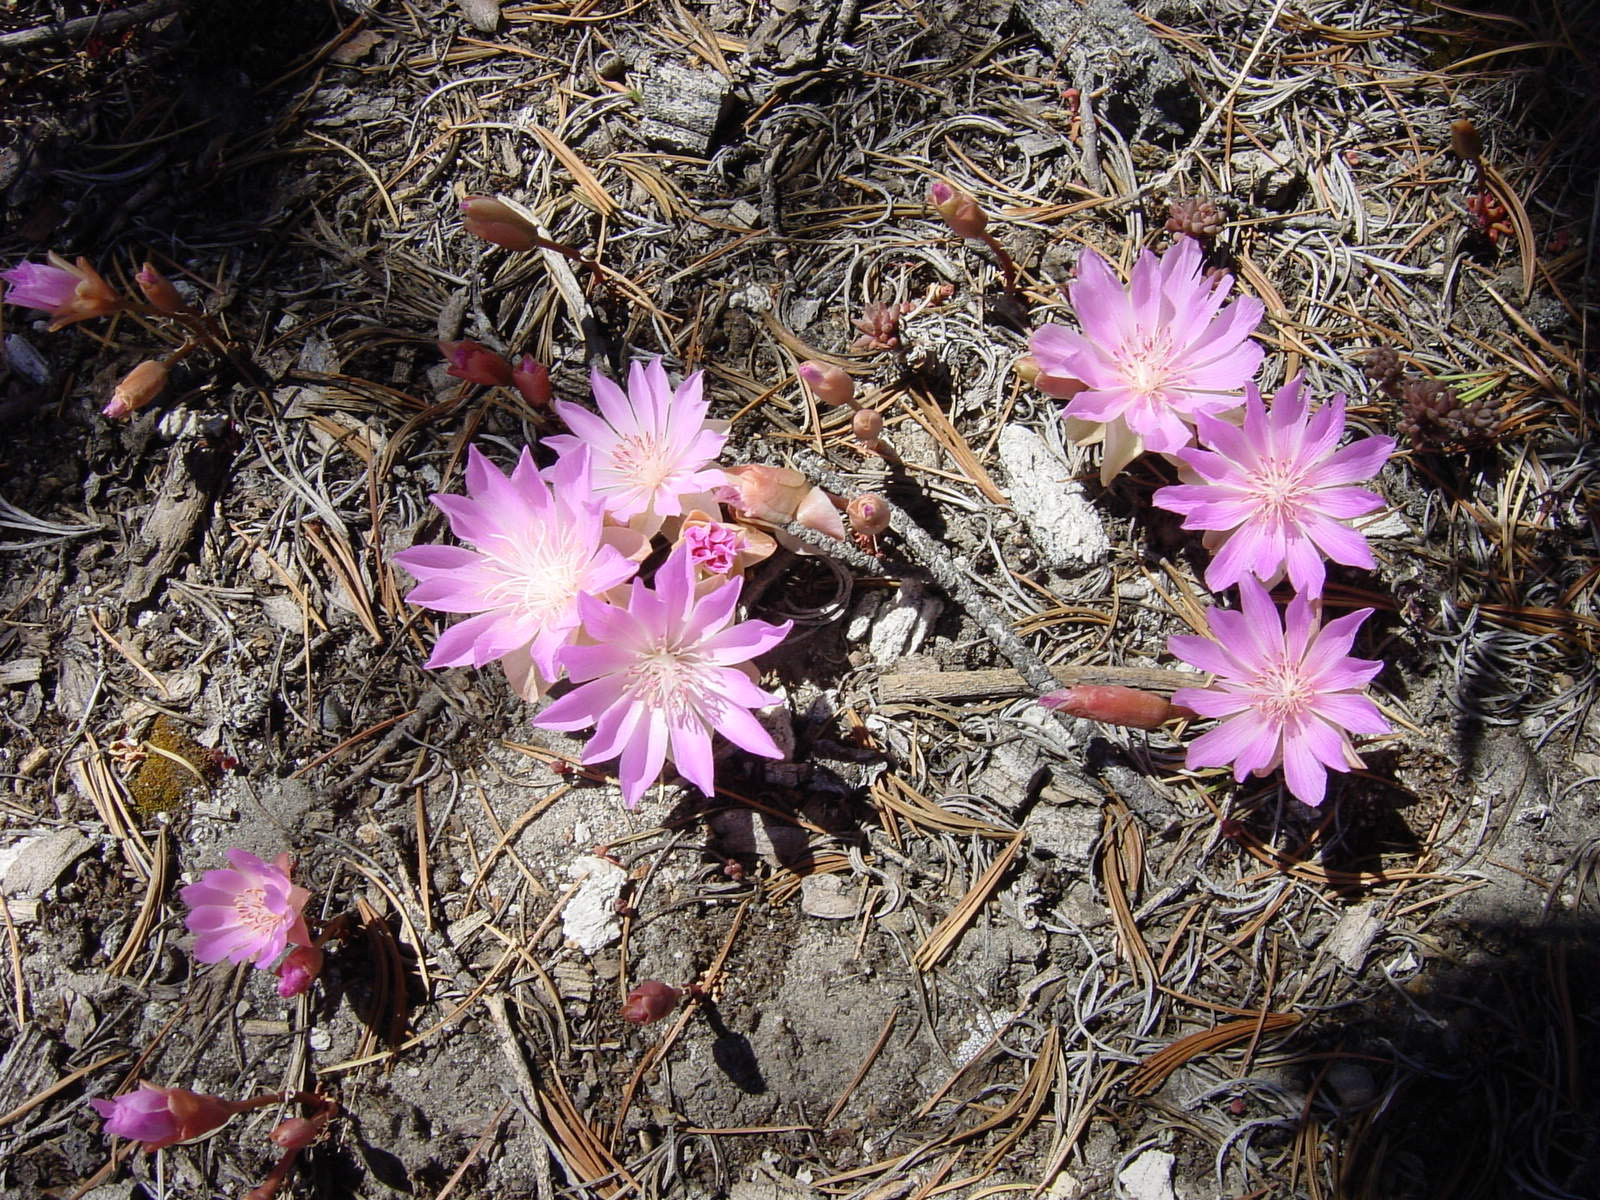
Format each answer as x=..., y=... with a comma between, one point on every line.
x=68, y=292
x=827, y=382
x=493, y=221
x=158, y=290
x=777, y=495
x=869, y=514
x=867, y=426
x=533, y=381
x=159, y=1116
x=476, y=364
x=1062, y=387
x=650, y=1001
x=1112, y=705
x=138, y=387
x=297, y=972
x=959, y=210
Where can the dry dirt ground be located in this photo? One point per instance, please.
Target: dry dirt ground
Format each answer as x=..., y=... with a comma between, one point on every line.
x=953, y=946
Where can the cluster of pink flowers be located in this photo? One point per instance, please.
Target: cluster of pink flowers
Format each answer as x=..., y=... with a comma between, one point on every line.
x=551, y=582
x=1162, y=365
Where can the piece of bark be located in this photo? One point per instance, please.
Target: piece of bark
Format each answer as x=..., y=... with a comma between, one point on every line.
x=682, y=106
x=1002, y=681
x=195, y=474
x=482, y=15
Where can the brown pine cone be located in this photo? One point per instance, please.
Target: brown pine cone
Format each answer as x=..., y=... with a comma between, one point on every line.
x=1195, y=216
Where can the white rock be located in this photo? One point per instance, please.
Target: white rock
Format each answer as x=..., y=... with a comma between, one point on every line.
x=1148, y=1177
x=590, y=918
x=895, y=624
x=1385, y=523
x=1353, y=936
x=828, y=897
x=1064, y=525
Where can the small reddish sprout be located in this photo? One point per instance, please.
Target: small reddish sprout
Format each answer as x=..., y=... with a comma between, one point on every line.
x=1113, y=705
x=476, y=364
x=138, y=387
x=869, y=514
x=493, y=221
x=867, y=426
x=650, y=1001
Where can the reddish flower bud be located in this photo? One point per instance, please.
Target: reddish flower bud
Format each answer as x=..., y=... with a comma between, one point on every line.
x=1112, y=705
x=1062, y=387
x=138, y=387
x=1465, y=143
x=296, y=1133
x=869, y=514
x=476, y=364
x=297, y=972
x=867, y=426
x=827, y=382
x=68, y=293
x=160, y=1116
x=494, y=221
x=650, y=1001
x=959, y=210
x=533, y=381
x=158, y=290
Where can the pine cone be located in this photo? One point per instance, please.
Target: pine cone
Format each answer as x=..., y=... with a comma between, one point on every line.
x=1195, y=216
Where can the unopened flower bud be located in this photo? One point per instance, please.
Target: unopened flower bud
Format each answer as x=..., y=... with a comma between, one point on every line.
x=827, y=383
x=476, y=364
x=869, y=514
x=778, y=495
x=160, y=1116
x=297, y=972
x=650, y=1001
x=1465, y=143
x=138, y=387
x=533, y=381
x=1112, y=705
x=296, y=1133
x=959, y=210
x=493, y=221
x=867, y=426
x=158, y=290
x=1062, y=387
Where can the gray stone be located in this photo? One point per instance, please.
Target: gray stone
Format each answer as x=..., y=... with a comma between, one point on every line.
x=1065, y=526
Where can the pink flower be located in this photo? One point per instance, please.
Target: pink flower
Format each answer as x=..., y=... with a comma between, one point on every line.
x=540, y=542
x=39, y=285
x=1151, y=356
x=667, y=670
x=299, y=970
x=246, y=913
x=713, y=546
x=1275, y=495
x=651, y=446
x=1288, y=692
x=159, y=1116
x=68, y=292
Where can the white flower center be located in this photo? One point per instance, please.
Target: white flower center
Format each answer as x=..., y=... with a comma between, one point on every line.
x=643, y=461
x=1147, y=361
x=1282, y=692
x=668, y=680
x=1280, y=488
x=538, y=575
x=250, y=906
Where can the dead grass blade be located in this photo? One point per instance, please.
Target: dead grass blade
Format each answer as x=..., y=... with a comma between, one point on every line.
x=1526, y=245
x=66, y=1081
x=586, y=1157
x=344, y=567
x=893, y=793
x=948, y=931
x=149, y=910
x=1121, y=868
x=596, y=194
x=1153, y=1071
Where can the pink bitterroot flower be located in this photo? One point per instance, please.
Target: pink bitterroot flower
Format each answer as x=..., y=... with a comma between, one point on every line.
x=539, y=541
x=299, y=970
x=651, y=446
x=160, y=1116
x=246, y=912
x=68, y=292
x=1152, y=355
x=664, y=674
x=1275, y=497
x=1288, y=693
